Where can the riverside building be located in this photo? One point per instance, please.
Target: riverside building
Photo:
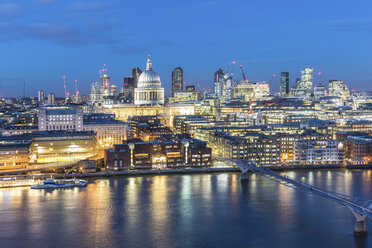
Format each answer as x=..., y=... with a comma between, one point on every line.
x=169, y=152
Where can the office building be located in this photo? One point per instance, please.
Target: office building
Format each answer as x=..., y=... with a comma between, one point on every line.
x=338, y=88
x=358, y=149
x=169, y=152
x=14, y=156
x=136, y=73
x=128, y=89
x=319, y=92
x=184, y=96
x=62, y=146
x=284, y=84
x=218, y=82
x=40, y=96
x=108, y=130
x=319, y=152
x=51, y=99
x=105, y=82
x=307, y=81
x=60, y=118
x=177, y=80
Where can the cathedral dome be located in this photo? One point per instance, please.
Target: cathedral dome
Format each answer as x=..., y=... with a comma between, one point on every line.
x=149, y=90
x=149, y=78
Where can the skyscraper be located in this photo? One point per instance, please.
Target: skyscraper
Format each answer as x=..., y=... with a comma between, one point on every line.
x=114, y=90
x=319, y=92
x=40, y=96
x=136, y=73
x=177, y=80
x=298, y=83
x=284, y=84
x=129, y=86
x=307, y=80
x=338, y=88
x=51, y=99
x=218, y=82
x=105, y=80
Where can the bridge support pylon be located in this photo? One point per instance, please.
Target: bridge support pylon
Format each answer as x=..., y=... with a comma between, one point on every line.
x=360, y=223
x=244, y=175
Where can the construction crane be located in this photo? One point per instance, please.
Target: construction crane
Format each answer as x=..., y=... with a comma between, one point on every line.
x=76, y=90
x=272, y=78
x=241, y=68
x=321, y=78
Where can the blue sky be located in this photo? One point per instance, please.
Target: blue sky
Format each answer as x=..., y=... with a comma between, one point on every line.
x=41, y=40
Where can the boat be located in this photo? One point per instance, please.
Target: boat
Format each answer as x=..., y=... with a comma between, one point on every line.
x=64, y=183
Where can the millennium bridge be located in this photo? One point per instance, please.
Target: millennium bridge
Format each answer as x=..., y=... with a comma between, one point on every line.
x=360, y=208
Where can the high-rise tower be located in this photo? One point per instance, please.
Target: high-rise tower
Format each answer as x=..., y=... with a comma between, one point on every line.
x=338, y=88
x=40, y=96
x=284, y=84
x=218, y=82
x=136, y=73
x=177, y=80
x=307, y=80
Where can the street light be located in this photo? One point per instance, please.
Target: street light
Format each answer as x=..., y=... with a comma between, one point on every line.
x=186, y=144
x=131, y=148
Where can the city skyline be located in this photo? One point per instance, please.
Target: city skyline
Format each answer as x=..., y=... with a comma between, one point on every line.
x=45, y=39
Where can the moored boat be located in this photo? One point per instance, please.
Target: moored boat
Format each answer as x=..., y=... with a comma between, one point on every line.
x=64, y=183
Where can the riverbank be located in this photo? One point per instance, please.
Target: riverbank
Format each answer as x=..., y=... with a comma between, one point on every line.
x=191, y=171
x=178, y=171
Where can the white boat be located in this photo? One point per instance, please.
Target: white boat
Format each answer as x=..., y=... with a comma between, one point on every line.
x=64, y=183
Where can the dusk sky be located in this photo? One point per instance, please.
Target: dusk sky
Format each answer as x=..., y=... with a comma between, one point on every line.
x=41, y=40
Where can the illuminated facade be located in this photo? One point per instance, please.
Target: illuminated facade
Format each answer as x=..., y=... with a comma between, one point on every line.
x=319, y=92
x=96, y=94
x=62, y=146
x=171, y=151
x=284, y=84
x=19, y=129
x=108, y=132
x=319, y=152
x=166, y=112
x=260, y=148
x=218, y=82
x=149, y=90
x=358, y=150
x=60, y=118
x=339, y=88
x=177, y=80
x=51, y=99
x=40, y=96
x=307, y=81
x=13, y=156
x=185, y=96
x=249, y=91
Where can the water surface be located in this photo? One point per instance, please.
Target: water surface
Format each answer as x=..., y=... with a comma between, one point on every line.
x=198, y=210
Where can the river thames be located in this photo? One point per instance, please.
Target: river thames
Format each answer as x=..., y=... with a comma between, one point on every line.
x=198, y=210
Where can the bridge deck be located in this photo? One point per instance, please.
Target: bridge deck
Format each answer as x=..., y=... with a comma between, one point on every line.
x=362, y=206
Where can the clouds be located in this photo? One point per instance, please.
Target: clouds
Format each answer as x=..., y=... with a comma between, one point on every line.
x=61, y=22
x=10, y=10
x=91, y=6
x=128, y=49
x=57, y=32
x=356, y=24
x=46, y=2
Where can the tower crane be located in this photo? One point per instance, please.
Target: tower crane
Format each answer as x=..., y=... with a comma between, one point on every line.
x=241, y=68
x=272, y=79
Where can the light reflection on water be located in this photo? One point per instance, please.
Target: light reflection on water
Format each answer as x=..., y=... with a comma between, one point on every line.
x=199, y=210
